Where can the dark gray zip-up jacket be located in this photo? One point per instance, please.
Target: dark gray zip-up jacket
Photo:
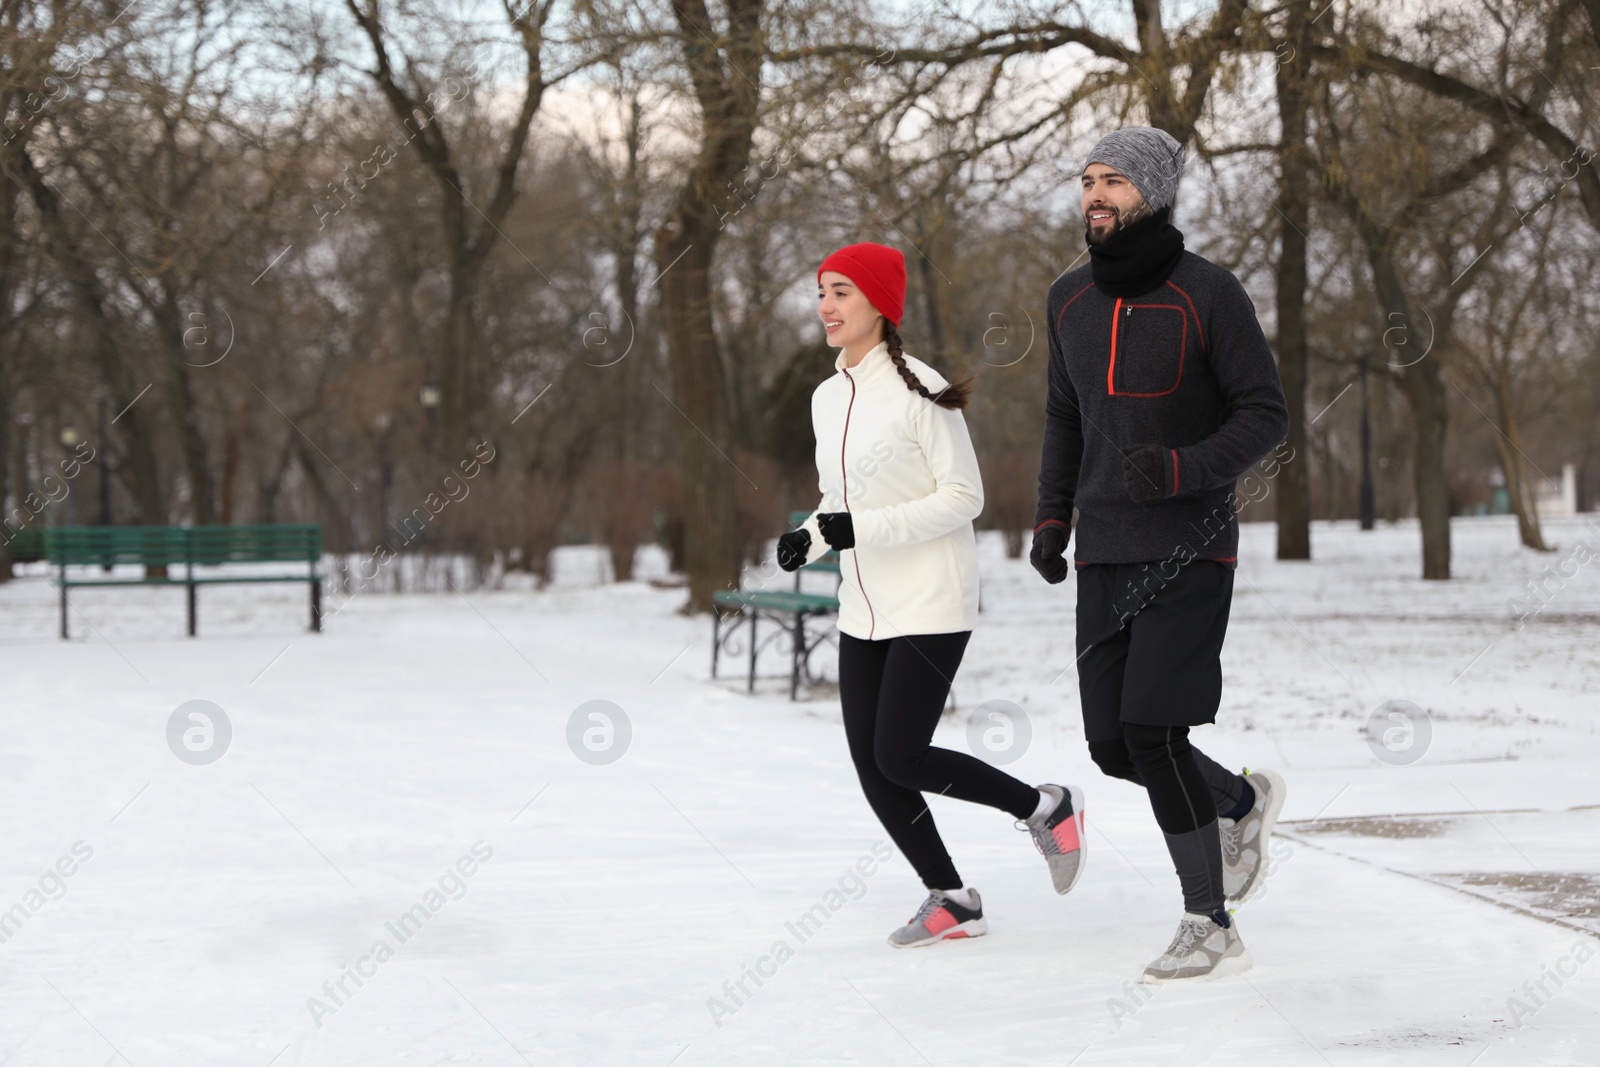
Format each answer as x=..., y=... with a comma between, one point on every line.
x=1184, y=367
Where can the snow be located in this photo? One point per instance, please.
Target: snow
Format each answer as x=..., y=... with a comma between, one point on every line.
x=367, y=762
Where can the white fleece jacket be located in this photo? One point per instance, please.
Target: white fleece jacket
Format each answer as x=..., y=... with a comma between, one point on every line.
x=905, y=470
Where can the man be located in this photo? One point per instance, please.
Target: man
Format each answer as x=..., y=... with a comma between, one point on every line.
x=1162, y=392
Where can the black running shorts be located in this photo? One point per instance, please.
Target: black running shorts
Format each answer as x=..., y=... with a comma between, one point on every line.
x=1150, y=644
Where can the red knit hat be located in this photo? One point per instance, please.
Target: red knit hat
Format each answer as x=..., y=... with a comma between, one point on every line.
x=878, y=271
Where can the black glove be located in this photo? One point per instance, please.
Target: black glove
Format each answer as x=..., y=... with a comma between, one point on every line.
x=1049, y=547
x=792, y=549
x=1145, y=469
x=837, y=529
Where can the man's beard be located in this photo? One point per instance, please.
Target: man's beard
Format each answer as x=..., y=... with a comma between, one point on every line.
x=1119, y=222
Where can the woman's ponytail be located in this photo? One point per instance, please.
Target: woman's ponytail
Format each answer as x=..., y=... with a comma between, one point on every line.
x=954, y=396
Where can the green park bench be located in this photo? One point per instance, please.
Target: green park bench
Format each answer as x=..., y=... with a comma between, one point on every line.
x=803, y=619
x=27, y=545
x=187, y=547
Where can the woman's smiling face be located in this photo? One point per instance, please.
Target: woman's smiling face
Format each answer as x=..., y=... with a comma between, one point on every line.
x=848, y=317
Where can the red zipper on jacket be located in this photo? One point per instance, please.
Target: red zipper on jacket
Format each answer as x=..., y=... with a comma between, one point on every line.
x=844, y=492
x=1111, y=368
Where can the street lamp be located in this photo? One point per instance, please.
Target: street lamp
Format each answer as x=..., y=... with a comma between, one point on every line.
x=101, y=395
x=385, y=469
x=69, y=443
x=429, y=396
x=24, y=441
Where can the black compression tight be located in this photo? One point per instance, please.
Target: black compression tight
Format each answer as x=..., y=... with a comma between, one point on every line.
x=892, y=693
x=1187, y=790
x=1187, y=787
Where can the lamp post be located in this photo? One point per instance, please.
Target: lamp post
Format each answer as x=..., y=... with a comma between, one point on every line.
x=384, y=422
x=1364, y=494
x=101, y=395
x=429, y=397
x=69, y=444
x=24, y=439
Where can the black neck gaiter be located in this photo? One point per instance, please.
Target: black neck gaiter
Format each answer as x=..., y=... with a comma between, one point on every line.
x=1139, y=258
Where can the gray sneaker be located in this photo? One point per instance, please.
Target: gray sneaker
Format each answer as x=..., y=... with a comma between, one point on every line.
x=1058, y=835
x=1202, y=949
x=940, y=919
x=1245, y=843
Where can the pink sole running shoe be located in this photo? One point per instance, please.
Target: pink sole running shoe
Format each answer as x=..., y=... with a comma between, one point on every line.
x=941, y=919
x=1059, y=835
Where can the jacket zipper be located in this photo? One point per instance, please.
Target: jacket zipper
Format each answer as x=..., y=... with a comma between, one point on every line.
x=1111, y=368
x=844, y=492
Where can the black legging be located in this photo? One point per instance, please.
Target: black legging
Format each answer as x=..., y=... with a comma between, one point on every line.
x=892, y=693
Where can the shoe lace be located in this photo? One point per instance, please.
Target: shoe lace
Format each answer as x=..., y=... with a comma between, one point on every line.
x=1190, y=932
x=1230, y=835
x=934, y=902
x=1044, y=839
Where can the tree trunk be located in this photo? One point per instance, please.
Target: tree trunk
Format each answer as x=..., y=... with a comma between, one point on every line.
x=5, y=456
x=230, y=466
x=460, y=392
x=141, y=468
x=1293, y=504
x=270, y=483
x=1426, y=393
x=934, y=299
x=10, y=282
x=1508, y=444
x=711, y=516
x=202, y=504
x=722, y=64
x=458, y=406
x=337, y=532
x=1155, y=63
x=1425, y=390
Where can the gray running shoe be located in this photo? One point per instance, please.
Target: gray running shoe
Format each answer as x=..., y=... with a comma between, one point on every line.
x=1058, y=835
x=1202, y=949
x=1245, y=843
x=940, y=919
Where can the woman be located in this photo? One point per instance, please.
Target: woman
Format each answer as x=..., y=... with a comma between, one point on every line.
x=900, y=488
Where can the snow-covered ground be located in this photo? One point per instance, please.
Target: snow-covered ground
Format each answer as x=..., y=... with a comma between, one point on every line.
x=414, y=760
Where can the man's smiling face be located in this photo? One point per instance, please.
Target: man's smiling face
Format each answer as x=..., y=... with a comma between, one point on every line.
x=1110, y=203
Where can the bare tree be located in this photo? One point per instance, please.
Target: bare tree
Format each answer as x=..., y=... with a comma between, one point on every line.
x=470, y=230
x=1295, y=90
x=724, y=65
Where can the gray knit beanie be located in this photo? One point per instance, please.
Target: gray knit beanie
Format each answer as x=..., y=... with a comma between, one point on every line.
x=1150, y=158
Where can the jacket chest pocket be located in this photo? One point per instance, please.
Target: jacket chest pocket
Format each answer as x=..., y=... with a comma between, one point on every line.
x=1148, y=342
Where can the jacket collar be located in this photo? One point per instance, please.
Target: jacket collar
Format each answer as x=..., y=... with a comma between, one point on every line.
x=872, y=366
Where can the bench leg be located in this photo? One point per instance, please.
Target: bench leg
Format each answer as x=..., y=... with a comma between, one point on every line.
x=63, y=611
x=716, y=637
x=316, y=605
x=795, y=659
x=751, y=687
x=192, y=606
